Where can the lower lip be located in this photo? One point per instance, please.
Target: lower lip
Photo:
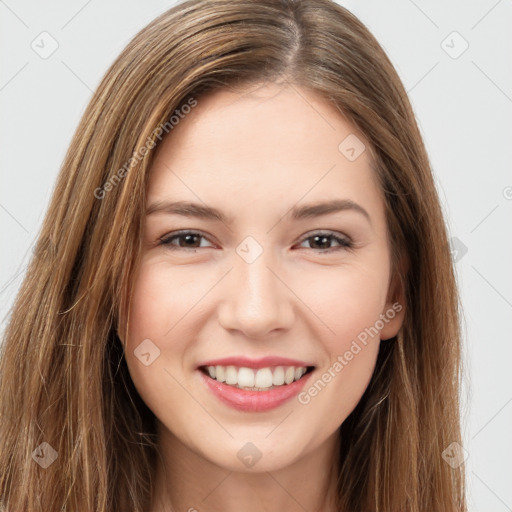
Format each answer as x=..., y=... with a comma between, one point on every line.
x=254, y=401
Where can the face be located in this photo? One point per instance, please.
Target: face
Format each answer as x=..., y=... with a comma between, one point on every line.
x=263, y=292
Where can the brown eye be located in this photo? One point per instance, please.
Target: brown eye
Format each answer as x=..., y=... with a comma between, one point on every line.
x=186, y=240
x=323, y=242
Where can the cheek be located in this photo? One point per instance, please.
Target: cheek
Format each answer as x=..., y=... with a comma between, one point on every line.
x=160, y=299
x=349, y=302
x=154, y=311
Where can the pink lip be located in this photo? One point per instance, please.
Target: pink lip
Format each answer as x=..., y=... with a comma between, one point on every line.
x=254, y=401
x=263, y=362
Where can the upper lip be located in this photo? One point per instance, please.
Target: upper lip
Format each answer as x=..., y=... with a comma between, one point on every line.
x=264, y=362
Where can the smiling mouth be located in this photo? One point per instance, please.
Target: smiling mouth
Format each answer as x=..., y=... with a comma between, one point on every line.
x=262, y=379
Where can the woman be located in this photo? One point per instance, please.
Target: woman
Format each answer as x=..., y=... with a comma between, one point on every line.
x=258, y=369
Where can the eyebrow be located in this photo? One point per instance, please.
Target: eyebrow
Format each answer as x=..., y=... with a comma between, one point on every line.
x=190, y=209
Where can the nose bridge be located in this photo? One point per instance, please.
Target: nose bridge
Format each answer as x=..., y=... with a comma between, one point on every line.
x=256, y=301
x=258, y=282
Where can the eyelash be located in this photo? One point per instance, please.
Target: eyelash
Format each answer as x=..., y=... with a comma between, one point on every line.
x=344, y=243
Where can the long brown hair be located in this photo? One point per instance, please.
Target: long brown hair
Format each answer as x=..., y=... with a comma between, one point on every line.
x=63, y=377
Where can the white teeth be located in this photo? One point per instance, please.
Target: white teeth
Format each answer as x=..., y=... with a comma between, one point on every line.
x=231, y=375
x=220, y=374
x=298, y=373
x=259, y=380
x=289, y=375
x=278, y=376
x=245, y=378
x=263, y=378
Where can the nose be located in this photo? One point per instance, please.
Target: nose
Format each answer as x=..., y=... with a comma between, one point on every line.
x=257, y=301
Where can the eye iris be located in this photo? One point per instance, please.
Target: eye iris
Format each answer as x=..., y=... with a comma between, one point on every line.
x=324, y=241
x=189, y=238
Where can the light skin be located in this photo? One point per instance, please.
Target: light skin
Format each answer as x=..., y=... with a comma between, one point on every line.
x=255, y=155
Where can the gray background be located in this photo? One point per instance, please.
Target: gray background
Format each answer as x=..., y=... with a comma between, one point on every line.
x=463, y=102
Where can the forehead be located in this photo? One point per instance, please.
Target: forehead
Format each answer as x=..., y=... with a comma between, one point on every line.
x=260, y=147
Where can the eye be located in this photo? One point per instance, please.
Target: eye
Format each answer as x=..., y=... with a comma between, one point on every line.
x=191, y=239
x=322, y=239
x=186, y=240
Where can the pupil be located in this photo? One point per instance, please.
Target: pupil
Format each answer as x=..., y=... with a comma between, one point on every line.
x=324, y=240
x=189, y=238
